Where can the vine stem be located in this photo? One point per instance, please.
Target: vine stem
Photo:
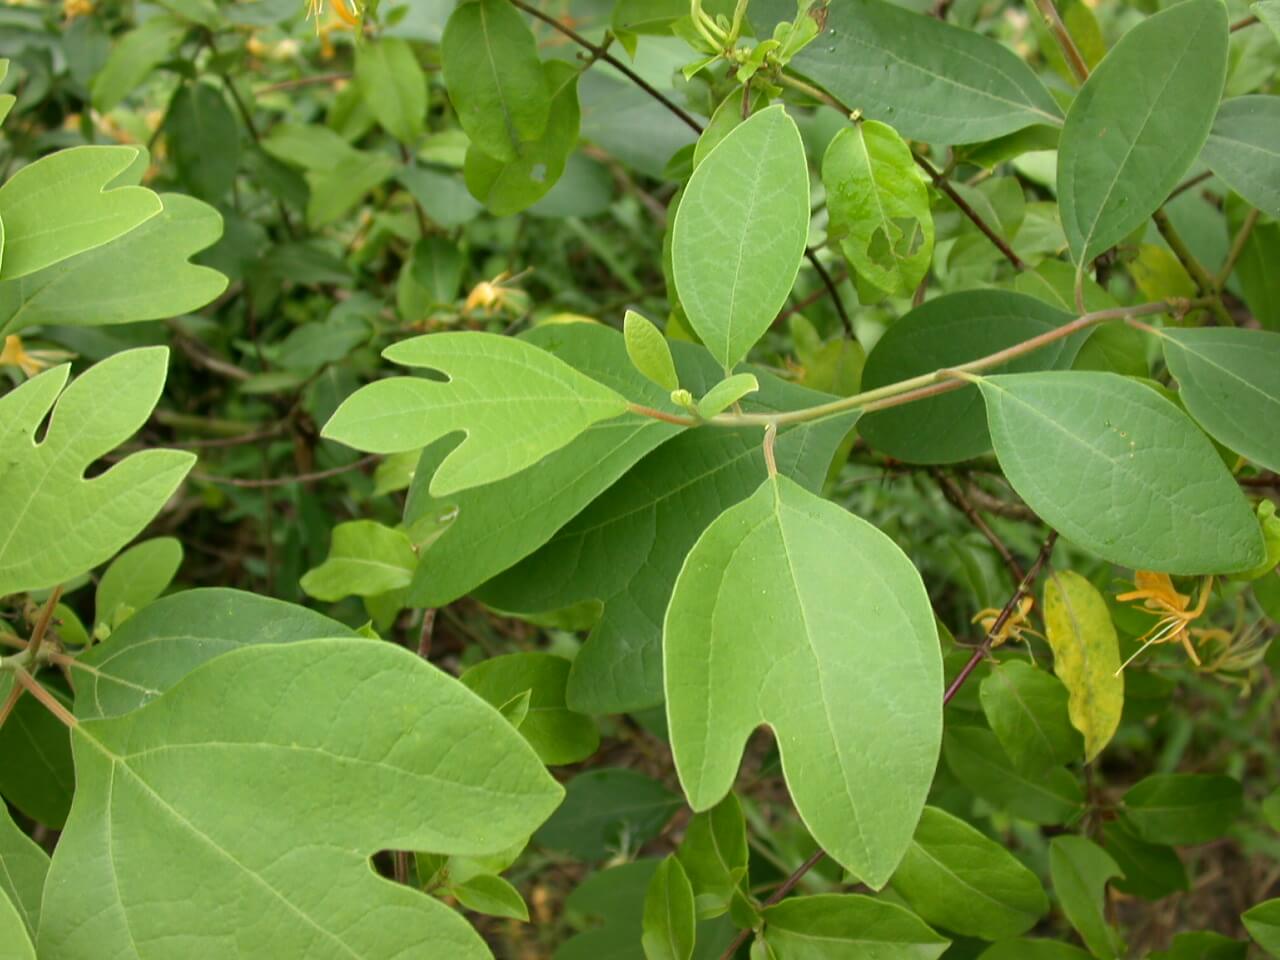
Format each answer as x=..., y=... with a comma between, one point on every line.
x=1063, y=36
x=1237, y=248
x=1205, y=283
x=47, y=699
x=289, y=481
x=1024, y=587
x=927, y=384
x=952, y=491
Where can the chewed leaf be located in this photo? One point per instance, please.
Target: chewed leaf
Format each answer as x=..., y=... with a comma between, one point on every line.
x=244, y=804
x=58, y=524
x=70, y=202
x=793, y=612
x=514, y=402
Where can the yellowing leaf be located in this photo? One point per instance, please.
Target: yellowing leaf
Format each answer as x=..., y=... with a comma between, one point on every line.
x=1086, y=657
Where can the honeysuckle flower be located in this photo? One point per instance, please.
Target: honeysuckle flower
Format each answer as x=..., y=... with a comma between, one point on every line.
x=1173, y=611
x=1013, y=628
x=15, y=355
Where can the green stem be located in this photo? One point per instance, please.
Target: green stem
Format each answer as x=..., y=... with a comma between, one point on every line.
x=930, y=384
x=1206, y=284
x=1237, y=248
x=1063, y=36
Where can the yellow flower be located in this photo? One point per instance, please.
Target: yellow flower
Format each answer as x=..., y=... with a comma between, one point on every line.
x=490, y=296
x=14, y=355
x=76, y=8
x=1173, y=611
x=1013, y=628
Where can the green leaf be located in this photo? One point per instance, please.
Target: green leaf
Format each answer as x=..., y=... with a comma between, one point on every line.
x=1080, y=870
x=138, y=53
x=1263, y=924
x=627, y=548
x=204, y=140
x=740, y=233
x=495, y=79
x=955, y=877
x=37, y=777
x=1033, y=950
x=1243, y=149
x=143, y=275
x=69, y=202
x=1202, y=945
x=932, y=81
x=1027, y=710
x=649, y=351
x=1229, y=380
x=393, y=86
x=1271, y=810
x=950, y=330
x=878, y=206
x=365, y=559
x=1086, y=657
x=1268, y=11
x=492, y=896
x=974, y=755
x=848, y=927
x=1183, y=808
x=15, y=937
x=168, y=639
x=1151, y=871
x=608, y=810
x=514, y=402
x=361, y=747
x=1138, y=123
x=1120, y=471
x=726, y=393
x=63, y=525
x=23, y=866
x=669, y=918
x=715, y=856
x=557, y=733
x=509, y=186
x=135, y=578
x=831, y=632
x=491, y=527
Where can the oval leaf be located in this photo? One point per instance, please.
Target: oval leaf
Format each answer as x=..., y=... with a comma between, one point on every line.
x=1080, y=870
x=848, y=927
x=333, y=749
x=1263, y=924
x=793, y=612
x=669, y=918
x=514, y=402
x=1229, y=380
x=950, y=330
x=931, y=80
x=393, y=86
x=1027, y=710
x=740, y=232
x=1244, y=150
x=648, y=350
x=1086, y=657
x=1139, y=122
x=1121, y=471
x=1183, y=808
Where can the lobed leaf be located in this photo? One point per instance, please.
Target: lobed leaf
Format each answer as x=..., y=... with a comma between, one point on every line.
x=331, y=750
x=514, y=402
x=62, y=525
x=793, y=612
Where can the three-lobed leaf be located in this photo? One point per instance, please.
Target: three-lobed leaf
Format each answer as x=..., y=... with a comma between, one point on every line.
x=514, y=402
x=793, y=612
x=740, y=233
x=60, y=524
x=332, y=750
x=1121, y=471
x=1139, y=122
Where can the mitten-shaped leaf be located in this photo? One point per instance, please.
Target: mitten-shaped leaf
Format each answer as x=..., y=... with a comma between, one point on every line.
x=514, y=402
x=1229, y=380
x=793, y=612
x=740, y=232
x=1139, y=122
x=144, y=275
x=1121, y=471
x=237, y=813
x=59, y=524
x=69, y=202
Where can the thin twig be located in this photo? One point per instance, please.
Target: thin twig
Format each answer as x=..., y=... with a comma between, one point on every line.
x=951, y=490
x=978, y=654
x=47, y=700
x=1187, y=184
x=1237, y=248
x=1248, y=21
x=1204, y=282
x=42, y=624
x=940, y=181
x=316, y=79
x=11, y=701
x=1063, y=36
x=805, y=302
x=831, y=289
x=601, y=54
x=427, y=632
x=287, y=481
